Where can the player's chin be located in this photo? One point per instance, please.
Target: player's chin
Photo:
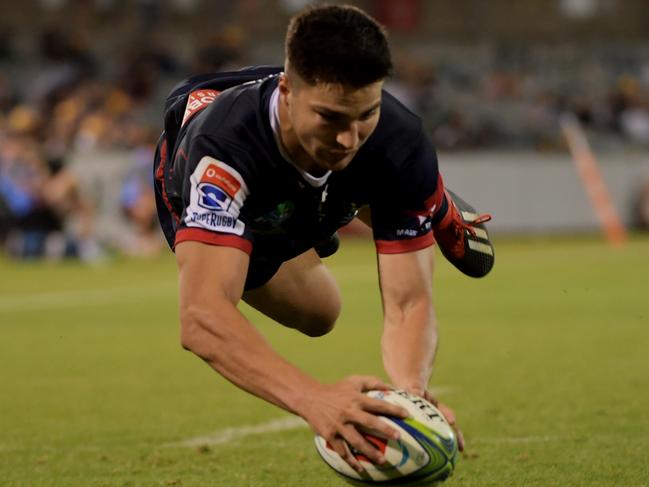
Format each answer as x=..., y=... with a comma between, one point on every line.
x=336, y=161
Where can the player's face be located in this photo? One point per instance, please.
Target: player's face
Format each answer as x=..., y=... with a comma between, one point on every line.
x=331, y=121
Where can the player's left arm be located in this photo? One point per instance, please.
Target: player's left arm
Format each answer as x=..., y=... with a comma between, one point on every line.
x=409, y=340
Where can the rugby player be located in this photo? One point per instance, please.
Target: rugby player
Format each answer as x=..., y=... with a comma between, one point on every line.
x=255, y=172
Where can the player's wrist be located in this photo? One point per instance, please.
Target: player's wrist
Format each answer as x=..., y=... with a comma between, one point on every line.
x=414, y=385
x=304, y=398
x=416, y=389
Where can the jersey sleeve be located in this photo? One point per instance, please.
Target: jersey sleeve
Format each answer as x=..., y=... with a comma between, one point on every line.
x=407, y=199
x=213, y=190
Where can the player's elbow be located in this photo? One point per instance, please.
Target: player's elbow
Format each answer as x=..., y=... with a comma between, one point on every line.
x=195, y=334
x=189, y=329
x=187, y=335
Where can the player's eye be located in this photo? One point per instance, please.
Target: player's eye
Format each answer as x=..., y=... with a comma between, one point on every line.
x=368, y=115
x=330, y=117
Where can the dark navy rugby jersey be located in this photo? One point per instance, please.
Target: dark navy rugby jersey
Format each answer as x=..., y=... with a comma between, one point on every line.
x=221, y=178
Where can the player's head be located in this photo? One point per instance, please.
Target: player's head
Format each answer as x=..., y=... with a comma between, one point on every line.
x=336, y=60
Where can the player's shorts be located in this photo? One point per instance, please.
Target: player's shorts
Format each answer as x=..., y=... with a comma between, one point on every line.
x=262, y=268
x=260, y=271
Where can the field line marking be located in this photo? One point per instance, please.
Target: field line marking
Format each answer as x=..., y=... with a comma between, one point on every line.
x=81, y=297
x=516, y=440
x=282, y=424
x=228, y=434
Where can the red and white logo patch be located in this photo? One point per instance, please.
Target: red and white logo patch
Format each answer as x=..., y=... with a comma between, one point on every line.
x=217, y=194
x=222, y=178
x=197, y=101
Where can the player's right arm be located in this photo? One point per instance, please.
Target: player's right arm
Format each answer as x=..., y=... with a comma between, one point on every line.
x=211, y=279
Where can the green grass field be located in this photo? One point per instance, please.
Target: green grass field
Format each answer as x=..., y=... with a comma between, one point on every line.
x=546, y=363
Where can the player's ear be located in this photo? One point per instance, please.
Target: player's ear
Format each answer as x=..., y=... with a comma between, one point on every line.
x=283, y=84
x=286, y=90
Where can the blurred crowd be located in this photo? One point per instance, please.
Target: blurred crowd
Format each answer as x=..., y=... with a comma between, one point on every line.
x=497, y=97
x=69, y=103
x=57, y=115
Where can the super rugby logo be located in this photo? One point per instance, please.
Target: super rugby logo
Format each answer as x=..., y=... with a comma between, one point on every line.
x=217, y=188
x=217, y=194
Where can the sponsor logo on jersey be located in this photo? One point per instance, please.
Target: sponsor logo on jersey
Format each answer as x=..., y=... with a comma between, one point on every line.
x=213, y=198
x=214, y=219
x=407, y=232
x=197, y=101
x=418, y=225
x=217, y=187
x=217, y=194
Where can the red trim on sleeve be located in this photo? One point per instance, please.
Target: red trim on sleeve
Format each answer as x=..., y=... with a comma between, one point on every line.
x=211, y=238
x=433, y=203
x=437, y=197
x=403, y=246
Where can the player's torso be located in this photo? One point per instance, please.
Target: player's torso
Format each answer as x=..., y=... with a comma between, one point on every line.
x=281, y=205
x=282, y=209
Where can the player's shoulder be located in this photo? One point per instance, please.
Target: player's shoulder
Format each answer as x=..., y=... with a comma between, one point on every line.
x=232, y=125
x=398, y=133
x=196, y=95
x=219, y=81
x=397, y=124
x=237, y=111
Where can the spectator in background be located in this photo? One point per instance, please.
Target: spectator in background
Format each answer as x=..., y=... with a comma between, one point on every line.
x=24, y=173
x=633, y=116
x=641, y=207
x=137, y=198
x=220, y=52
x=62, y=65
x=39, y=196
x=7, y=94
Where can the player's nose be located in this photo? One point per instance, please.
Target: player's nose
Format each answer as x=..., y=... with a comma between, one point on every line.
x=348, y=138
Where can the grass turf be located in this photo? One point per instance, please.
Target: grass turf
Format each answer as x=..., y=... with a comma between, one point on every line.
x=545, y=362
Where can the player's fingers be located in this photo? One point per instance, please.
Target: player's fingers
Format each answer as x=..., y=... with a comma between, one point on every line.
x=449, y=415
x=447, y=412
x=429, y=397
x=460, y=439
x=367, y=383
x=371, y=423
x=340, y=446
x=359, y=443
x=377, y=406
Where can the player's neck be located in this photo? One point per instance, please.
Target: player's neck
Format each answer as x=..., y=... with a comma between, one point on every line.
x=292, y=145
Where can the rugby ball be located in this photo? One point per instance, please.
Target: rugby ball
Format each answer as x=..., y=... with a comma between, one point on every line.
x=425, y=453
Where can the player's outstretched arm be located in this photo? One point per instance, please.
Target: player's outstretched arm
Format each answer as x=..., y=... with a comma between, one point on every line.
x=211, y=284
x=409, y=339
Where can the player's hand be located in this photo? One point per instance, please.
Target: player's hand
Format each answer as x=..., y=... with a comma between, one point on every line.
x=338, y=412
x=447, y=412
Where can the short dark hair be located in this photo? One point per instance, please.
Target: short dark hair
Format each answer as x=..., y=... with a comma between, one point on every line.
x=337, y=44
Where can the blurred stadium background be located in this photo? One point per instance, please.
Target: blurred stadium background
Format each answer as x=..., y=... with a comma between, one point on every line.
x=82, y=85
x=544, y=360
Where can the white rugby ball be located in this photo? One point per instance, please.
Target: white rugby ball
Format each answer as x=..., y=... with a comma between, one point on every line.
x=425, y=453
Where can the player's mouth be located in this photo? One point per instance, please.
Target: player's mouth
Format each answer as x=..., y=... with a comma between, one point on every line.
x=341, y=154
